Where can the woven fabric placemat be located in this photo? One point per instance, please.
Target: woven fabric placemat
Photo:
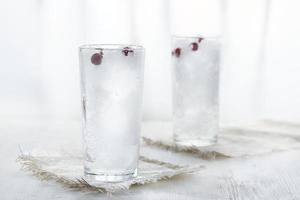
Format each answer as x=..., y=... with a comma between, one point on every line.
x=232, y=143
x=67, y=170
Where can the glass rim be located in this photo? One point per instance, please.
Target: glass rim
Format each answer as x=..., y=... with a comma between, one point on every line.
x=197, y=36
x=111, y=47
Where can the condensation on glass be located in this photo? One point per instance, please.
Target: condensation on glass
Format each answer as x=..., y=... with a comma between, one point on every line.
x=111, y=92
x=195, y=90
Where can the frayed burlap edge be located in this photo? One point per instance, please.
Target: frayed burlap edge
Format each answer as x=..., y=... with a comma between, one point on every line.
x=30, y=164
x=204, y=154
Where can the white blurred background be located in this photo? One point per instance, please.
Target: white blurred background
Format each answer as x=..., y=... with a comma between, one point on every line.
x=260, y=72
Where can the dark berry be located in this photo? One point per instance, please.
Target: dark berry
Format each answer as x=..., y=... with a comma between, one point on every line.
x=127, y=50
x=96, y=58
x=200, y=39
x=194, y=46
x=176, y=52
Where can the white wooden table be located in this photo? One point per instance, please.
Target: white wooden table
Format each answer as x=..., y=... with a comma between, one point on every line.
x=267, y=175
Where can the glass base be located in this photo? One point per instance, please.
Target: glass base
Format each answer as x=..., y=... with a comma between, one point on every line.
x=203, y=142
x=98, y=176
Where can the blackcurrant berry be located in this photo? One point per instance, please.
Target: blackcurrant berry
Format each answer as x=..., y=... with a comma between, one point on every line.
x=127, y=50
x=200, y=39
x=194, y=46
x=176, y=52
x=96, y=58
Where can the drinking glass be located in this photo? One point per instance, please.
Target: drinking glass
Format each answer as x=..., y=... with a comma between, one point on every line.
x=195, y=90
x=111, y=92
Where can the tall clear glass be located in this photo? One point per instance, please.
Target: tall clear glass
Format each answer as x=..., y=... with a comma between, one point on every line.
x=111, y=91
x=195, y=90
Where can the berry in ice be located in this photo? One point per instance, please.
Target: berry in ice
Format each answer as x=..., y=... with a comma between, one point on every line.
x=96, y=58
x=127, y=50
